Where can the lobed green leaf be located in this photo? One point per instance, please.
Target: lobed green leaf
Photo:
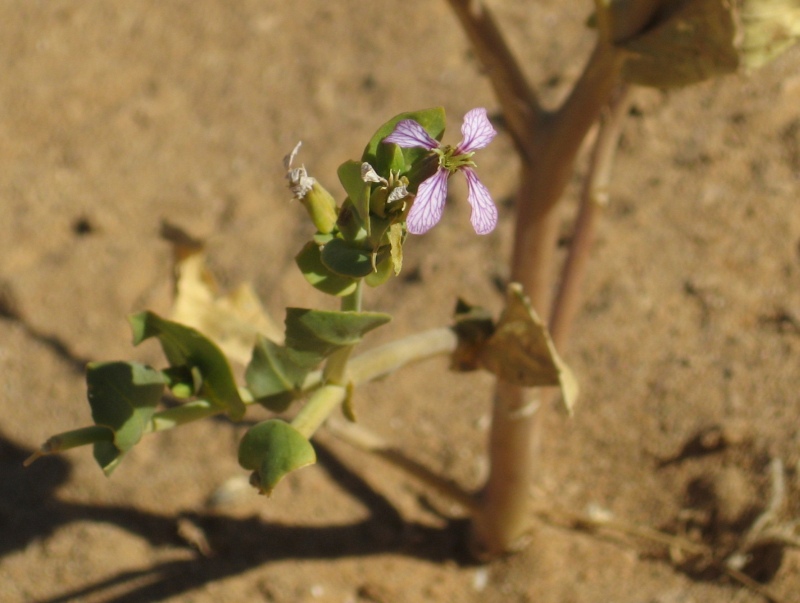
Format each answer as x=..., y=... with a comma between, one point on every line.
x=319, y=333
x=272, y=449
x=273, y=376
x=347, y=259
x=186, y=347
x=123, y=397
x=385, y=157
x=318, y=275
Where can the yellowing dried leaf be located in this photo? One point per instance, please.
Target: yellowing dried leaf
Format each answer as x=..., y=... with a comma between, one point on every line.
x=231, y=320
x=521, y=351
x=690, y=41
x=694, y=40
x=768, y=28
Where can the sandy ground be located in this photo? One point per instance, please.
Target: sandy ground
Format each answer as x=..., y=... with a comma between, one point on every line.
x=116, y=116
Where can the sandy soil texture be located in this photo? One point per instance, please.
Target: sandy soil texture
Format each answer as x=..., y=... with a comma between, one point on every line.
x=115, y=116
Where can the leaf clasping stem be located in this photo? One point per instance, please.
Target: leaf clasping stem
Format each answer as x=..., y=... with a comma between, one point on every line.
x=372, y=365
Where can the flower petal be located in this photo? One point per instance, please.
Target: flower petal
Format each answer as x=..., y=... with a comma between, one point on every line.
x=428, y=207
x=408, y=133
x=477, y=131
x=484, y=212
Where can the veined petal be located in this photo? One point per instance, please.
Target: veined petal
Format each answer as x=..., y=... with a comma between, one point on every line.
x=484, y=212
x=428, y=207
x=477, y=131
x=408, y=133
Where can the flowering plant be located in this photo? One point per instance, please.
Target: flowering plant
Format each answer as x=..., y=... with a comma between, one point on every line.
x=357, y=241
x=399, y=186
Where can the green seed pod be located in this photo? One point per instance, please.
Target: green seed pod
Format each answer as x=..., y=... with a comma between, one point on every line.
x=321, y=207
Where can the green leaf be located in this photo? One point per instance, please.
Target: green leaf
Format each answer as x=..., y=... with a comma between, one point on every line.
x=349, y=223
x=321, y=277
x=273, y=377
x=350, y=176
x=357, y=190
x=273, y=449
x=107, y=456
x=319, y=333
x=521, y=352
x=385, y=157
x=184, y=346
x=123, y=397
x=347, y=260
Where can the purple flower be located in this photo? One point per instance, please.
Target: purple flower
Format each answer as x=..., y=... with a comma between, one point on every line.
x=428, y=206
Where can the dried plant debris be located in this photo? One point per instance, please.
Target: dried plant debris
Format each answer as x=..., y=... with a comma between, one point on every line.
x=706, y=441
x=742, y=513
x=233, y=319
x=736, y=521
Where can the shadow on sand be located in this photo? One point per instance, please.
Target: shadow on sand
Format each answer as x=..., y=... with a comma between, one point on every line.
x=30, y=510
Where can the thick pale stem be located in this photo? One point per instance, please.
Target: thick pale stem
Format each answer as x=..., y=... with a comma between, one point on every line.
x=390, y=357
x=335, y=378
x=503, y=518
x=594, y=197
x=519, y=102
x=502, y=521
x=518, y=413
x=535, y=238
x=352, y=302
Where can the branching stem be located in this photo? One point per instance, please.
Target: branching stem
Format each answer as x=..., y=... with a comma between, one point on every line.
x=518, y=413
x=594, y=197
x=519, y=102
x=548, y=143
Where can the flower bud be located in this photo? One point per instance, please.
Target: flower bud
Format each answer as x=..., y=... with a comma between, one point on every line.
x=318, y=202
x=321, y=207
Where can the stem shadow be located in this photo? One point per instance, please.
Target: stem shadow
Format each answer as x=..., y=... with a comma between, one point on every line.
x=30, y=511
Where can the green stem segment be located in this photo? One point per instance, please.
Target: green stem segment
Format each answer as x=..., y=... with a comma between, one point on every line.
x=185, y=413
x=334, y=377
x=361, y=369
x=318, y=408
x=335, y=370
x=72, y=439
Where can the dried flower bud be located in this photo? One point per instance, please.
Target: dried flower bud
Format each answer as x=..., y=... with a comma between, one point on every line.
x=319, y=203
